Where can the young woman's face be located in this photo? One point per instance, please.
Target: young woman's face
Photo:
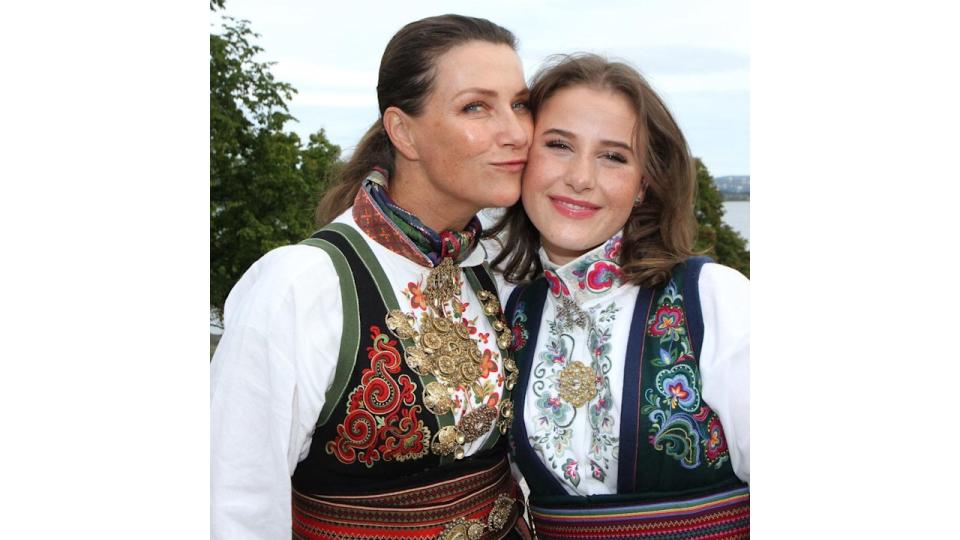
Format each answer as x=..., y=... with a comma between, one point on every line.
x=583, y=175
x=474, y=132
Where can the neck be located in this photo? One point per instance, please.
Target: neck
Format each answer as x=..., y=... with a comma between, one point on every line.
x=412, y=191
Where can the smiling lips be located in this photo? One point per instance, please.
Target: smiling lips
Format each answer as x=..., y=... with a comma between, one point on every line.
x=515, y=165
x=574, y=208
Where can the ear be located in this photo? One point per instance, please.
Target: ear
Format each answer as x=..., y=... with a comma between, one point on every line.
x=398, y=126
x=643, y=191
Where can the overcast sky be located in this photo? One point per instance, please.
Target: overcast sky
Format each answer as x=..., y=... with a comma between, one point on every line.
x=695, y=53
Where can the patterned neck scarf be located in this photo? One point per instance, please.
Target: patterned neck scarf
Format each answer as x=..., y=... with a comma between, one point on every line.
x=436, y=246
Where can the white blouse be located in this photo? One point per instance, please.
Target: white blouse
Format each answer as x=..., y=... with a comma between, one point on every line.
x=580, y=445
x=273, y=366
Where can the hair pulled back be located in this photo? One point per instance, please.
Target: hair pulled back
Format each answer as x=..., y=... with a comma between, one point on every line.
x=407, y=72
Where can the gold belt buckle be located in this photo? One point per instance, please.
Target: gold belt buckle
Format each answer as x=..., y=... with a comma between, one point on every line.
x=473, y=529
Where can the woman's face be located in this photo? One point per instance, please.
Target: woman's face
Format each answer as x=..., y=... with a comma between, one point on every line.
x=583, y=174
x=474, y=132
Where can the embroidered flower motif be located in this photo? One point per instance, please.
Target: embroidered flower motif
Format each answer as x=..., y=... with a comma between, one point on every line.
x=493, y=400
x=557, y=286
x=471, y=326
x=519, y=337
x=415, y=294
x=716, y=443
x=597, y=471
x=601, y=276
x=570, y=472
x=487, y=364
x=484, y=336
x=611, y=250
x=667, y=320
x=677, y=384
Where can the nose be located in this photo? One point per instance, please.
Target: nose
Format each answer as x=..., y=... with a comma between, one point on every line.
x=516, y=130
x=581, y=174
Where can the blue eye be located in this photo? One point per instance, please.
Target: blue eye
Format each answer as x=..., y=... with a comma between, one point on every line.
x=476, y=106
x=521, y=106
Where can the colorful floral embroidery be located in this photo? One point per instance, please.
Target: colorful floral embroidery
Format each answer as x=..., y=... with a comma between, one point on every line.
x=487, y=365
x=414, y=293
x=676, y=384
x=601, y=276
x=679, y=419
x=570, y=472
x=555, y=416
x=716, y=443
x=381, y=421
x=557, y=286
x=668, y=321
x=518, y=328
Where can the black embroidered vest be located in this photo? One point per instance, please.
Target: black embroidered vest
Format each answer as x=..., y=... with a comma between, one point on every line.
x=374, y=433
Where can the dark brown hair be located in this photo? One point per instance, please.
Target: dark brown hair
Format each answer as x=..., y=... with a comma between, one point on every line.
x=659, y=231
x=406, y=79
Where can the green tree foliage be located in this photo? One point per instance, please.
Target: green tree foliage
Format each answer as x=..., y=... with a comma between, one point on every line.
x=714, y=237
x=263, y=184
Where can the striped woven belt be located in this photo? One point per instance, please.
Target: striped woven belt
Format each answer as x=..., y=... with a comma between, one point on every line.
x=478, y=506
x=721, y=515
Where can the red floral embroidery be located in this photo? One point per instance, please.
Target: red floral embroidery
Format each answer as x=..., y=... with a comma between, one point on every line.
x=377, y=425
x=487, y=365
x=417, y=300
x=667, y=319
x=716, y=442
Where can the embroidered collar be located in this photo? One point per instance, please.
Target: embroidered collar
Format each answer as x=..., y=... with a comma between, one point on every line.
x=401, y=232
x=589, y=276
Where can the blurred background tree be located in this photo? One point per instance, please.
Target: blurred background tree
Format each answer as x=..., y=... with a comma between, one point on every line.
x=264, y=184
x=716, y=238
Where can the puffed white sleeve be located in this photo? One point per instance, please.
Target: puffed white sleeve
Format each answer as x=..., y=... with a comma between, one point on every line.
x=273, y=365
x=725, y=357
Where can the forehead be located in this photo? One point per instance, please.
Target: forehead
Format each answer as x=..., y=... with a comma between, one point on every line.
x=479, y=64
x=588, y=111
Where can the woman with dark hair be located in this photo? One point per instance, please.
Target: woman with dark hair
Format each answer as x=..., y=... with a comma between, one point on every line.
x=364, y=377
x=632, y=412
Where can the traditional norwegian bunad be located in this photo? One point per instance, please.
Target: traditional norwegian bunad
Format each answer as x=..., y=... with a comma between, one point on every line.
x=632, y=405
x=390, y=372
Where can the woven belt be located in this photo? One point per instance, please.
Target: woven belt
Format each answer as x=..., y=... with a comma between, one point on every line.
x=477, y=506
x=721, y=515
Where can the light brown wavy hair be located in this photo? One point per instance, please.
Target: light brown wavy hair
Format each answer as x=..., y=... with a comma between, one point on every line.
x=407, y=71
x=659, y=232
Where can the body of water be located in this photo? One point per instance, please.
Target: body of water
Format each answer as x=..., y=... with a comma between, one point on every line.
x=737, y=215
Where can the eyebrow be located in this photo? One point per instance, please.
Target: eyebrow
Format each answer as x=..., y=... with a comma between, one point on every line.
x=488, y=92
x=571, y=135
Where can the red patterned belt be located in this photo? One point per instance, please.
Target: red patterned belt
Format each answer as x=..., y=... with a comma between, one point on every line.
x=478, y=506
x=720, y=515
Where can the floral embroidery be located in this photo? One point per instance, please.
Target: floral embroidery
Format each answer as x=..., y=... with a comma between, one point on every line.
x=601, y=276
x=381, y=421
x=557, y=286
x=518, y=328
x=487, y=365
x=682, y=426
x=597, y=471
x=570, y=472
x=668, y=321
x=716, y=443
x=611, y=250
x=555, y=416
x=484, y=336
x=414, y=293
x=676, y=384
